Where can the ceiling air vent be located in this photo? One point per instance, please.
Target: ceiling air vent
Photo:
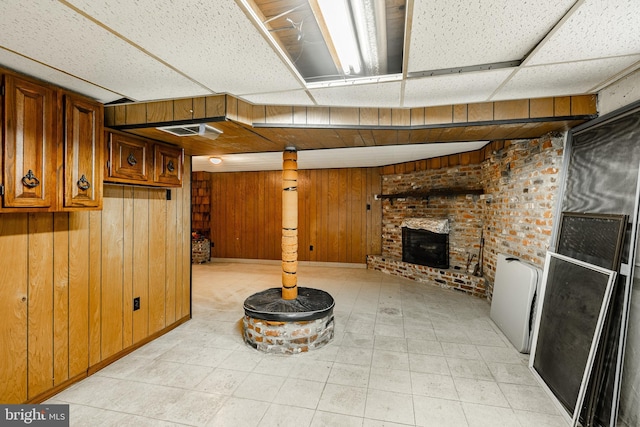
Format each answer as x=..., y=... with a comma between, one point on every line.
x=198, y=129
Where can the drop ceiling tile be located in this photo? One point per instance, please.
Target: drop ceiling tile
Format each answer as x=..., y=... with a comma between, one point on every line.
x=51, y=33
x=453, y=88
x=34, y=69
x=596, y=29
x=213, y=42
x=296, y=97
x=381, y=95
x=335, y=157
x=381, y=155
x=448, y=34
x=563, y=79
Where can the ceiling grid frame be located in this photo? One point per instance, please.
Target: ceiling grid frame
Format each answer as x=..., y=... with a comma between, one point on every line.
x=114, y=51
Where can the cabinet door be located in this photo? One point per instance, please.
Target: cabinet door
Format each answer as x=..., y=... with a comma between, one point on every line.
x=29, y=144
x=128, y=159
x=167, y=167
x=82, y=153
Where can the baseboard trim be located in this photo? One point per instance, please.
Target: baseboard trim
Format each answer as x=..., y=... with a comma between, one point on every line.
x=104, y=363
x=278, y=262
x=109, y=360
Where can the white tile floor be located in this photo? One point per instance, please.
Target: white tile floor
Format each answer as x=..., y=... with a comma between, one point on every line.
x=405, y=354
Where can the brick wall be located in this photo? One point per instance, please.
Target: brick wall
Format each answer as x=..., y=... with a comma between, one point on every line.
x=200, y=203
x=522, y=179
x=514, y=216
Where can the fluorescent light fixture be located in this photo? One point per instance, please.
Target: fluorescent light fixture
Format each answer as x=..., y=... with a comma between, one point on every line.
x=337, y=18
x=215, y=160
x=370, y=23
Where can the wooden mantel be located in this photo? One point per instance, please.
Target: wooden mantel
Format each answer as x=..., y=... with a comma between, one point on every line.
x=425, y=194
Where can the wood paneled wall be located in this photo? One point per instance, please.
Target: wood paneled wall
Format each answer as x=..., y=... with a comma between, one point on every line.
x=67, y=283
x=463, y=159
x=337, y=215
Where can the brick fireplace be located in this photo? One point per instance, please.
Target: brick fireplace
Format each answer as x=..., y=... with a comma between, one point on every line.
x=461, y=210
x=502, y=195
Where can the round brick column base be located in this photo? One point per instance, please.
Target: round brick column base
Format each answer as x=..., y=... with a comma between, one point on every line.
x=288, y=337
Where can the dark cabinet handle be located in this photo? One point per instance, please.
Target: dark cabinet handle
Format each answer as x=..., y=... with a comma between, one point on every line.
x=83, y=183
x=30, y=180
x=132, y=159
x=170, y=166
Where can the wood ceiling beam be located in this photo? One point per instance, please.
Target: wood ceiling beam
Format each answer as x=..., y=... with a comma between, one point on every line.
x=231, y=108
x=249, y=128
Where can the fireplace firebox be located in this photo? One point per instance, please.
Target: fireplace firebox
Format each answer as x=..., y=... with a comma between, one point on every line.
x=425, y=247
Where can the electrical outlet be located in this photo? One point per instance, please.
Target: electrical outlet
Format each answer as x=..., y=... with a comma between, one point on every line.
x=136, y=303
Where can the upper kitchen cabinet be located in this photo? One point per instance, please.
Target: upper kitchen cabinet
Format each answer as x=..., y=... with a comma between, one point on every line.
x=127, y=159
x=136, y=160
x=29, y=132
x=167, y=165
x=52, y=148
x=82, y=153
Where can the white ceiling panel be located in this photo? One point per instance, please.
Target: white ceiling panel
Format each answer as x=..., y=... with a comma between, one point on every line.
x=457, y=33
x=596, y=29
x=48, y=74
x=295, y=97
x=213, y=42
x=167, y=49
x=381, y=95
x=453, y=88
x=335, y=157
x=563, y=79
x=66, y=41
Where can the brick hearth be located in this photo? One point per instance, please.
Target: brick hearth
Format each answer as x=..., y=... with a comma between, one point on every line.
x=448, y=279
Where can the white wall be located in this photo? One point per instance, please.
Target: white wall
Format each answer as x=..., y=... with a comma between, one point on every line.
x=622, y=92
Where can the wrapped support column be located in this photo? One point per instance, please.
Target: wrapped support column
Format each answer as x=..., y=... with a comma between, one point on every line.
x=289, y=224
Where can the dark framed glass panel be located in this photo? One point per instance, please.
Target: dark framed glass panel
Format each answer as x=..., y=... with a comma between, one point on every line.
x=425, y=247
x=569, y=323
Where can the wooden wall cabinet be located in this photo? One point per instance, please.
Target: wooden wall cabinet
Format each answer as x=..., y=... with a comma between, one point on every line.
x=51, y=146
x=29, y=145
x=167, y=166
x=82, y=153
x=135, y=160
x=128, y=159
